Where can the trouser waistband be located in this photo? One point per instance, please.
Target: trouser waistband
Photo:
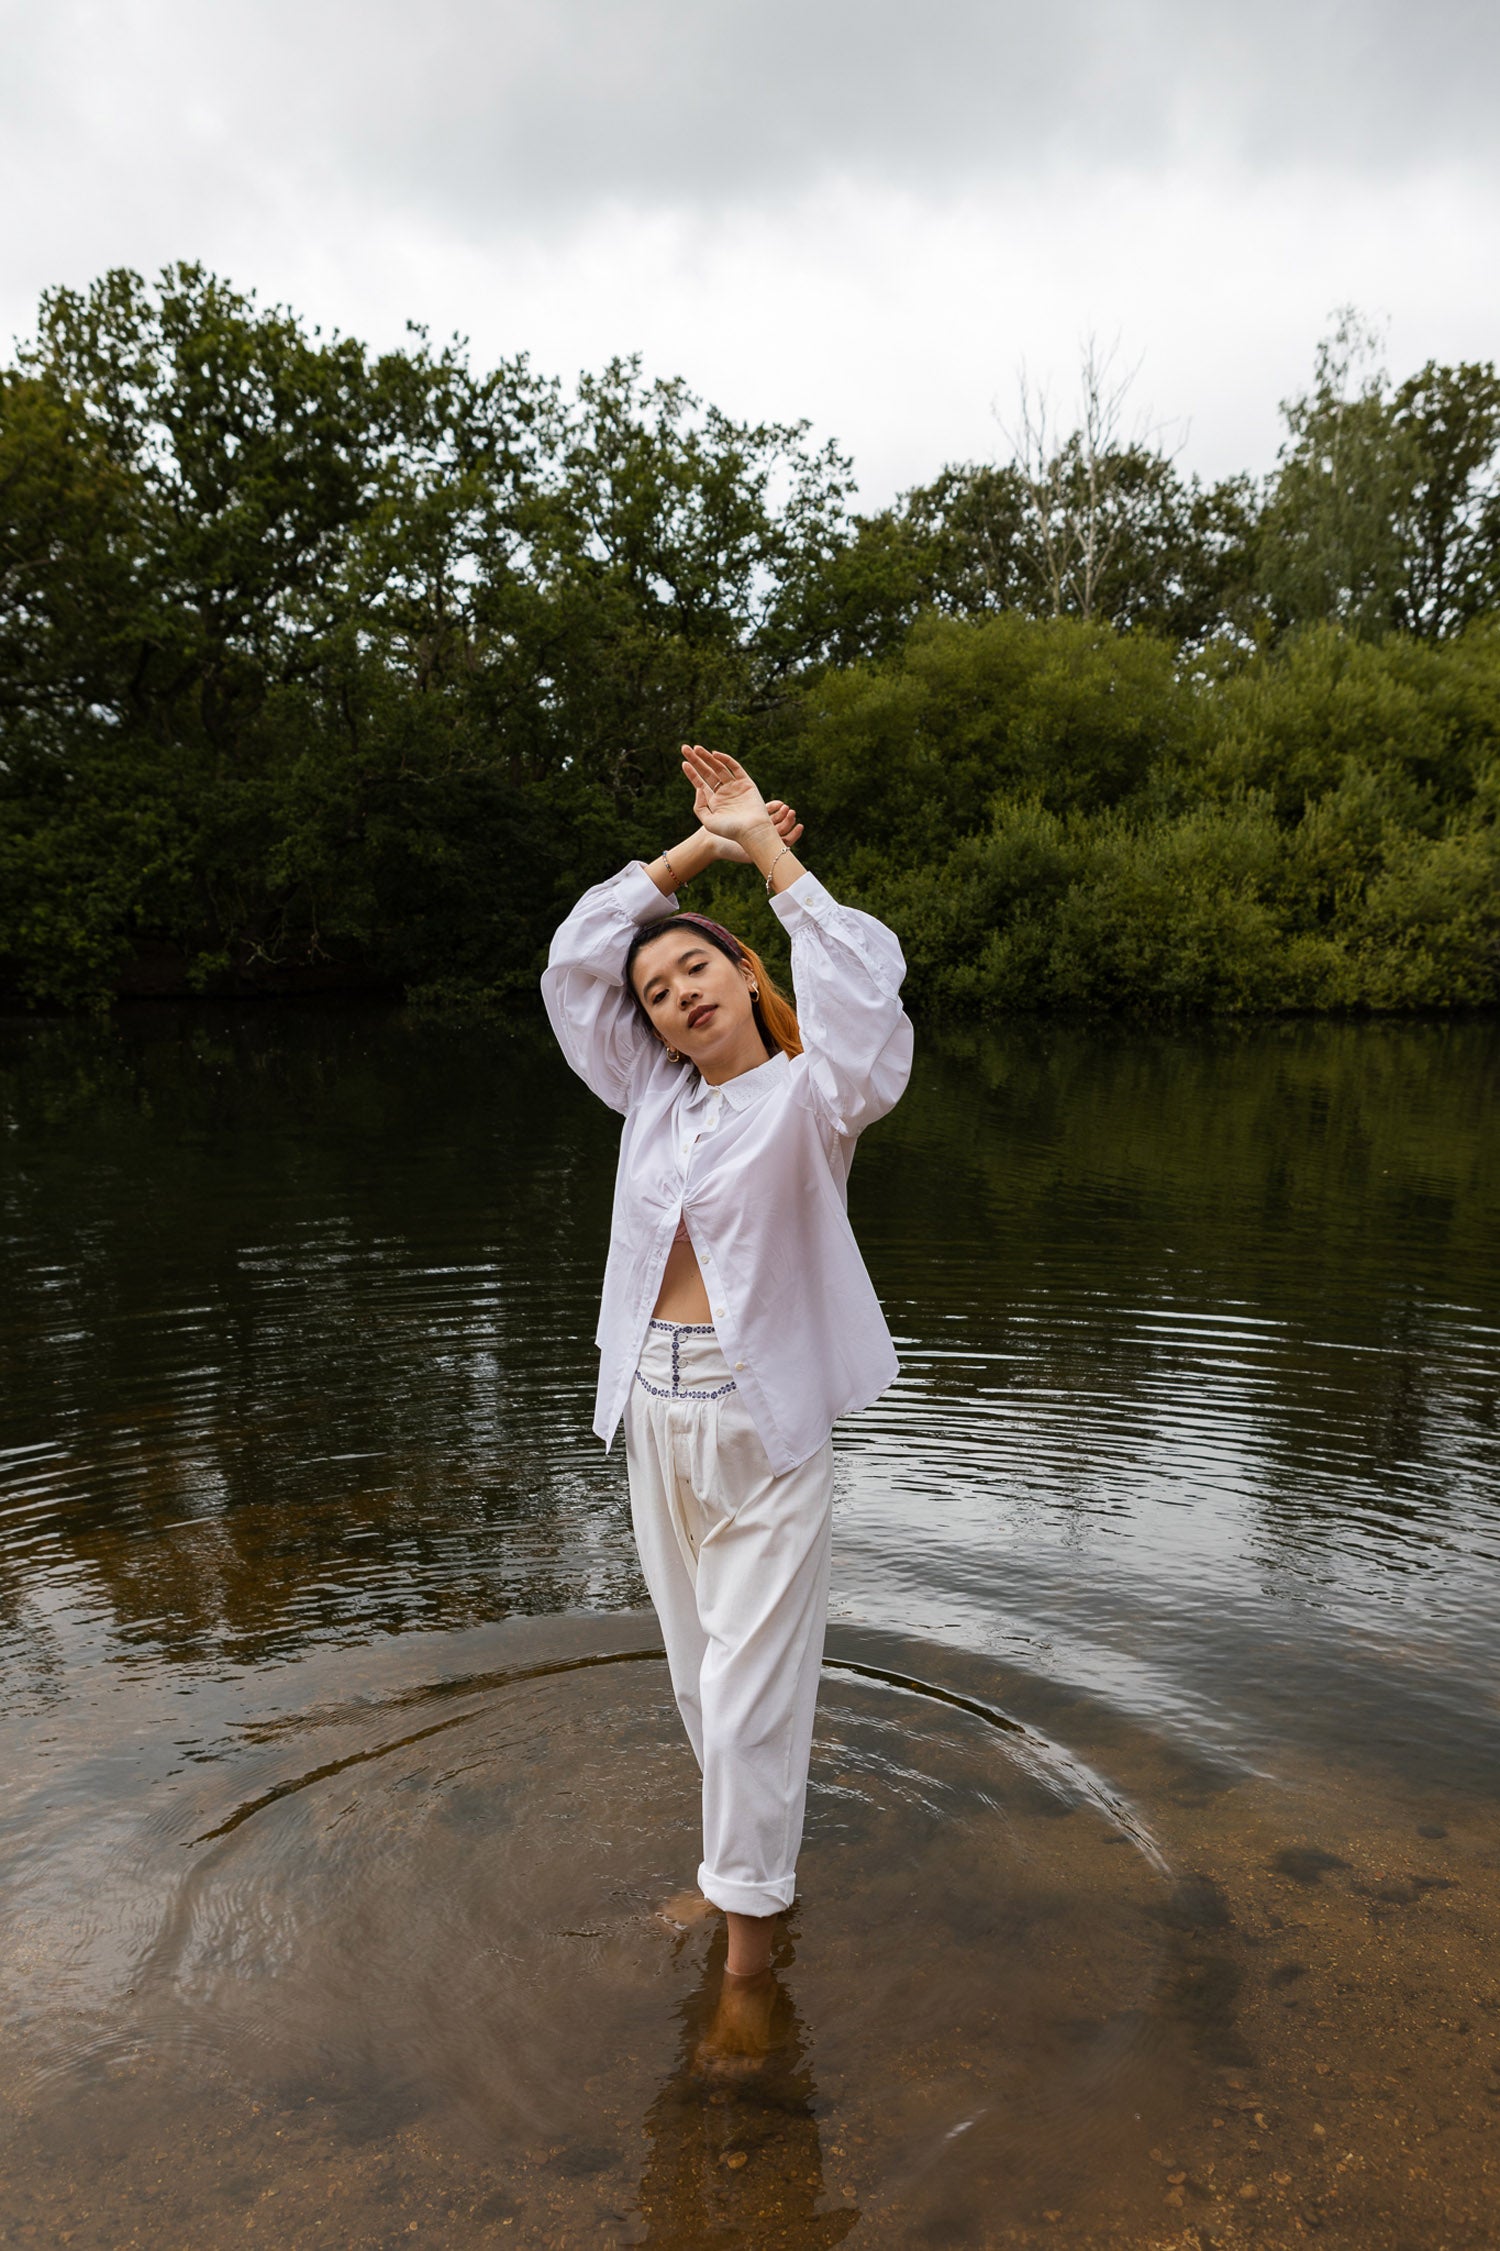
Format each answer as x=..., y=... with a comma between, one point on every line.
x=685, y=1360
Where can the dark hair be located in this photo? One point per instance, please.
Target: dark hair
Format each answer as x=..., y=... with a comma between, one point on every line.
x=775, y=1017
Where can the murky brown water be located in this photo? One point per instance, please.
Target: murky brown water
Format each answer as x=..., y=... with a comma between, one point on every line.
x=1151, y=1892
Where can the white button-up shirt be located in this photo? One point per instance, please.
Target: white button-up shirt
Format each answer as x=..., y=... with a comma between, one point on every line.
x=759, y=1166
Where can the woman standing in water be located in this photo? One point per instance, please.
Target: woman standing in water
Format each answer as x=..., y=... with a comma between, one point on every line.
x=738, y=1320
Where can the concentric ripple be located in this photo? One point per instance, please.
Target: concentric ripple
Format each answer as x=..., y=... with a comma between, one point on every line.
x=1162, y=1672
x=435, y=1911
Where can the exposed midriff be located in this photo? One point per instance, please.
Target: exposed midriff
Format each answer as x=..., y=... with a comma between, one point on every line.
x=682, y=1296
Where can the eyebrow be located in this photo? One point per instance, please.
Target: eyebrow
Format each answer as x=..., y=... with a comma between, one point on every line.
x=652, y=975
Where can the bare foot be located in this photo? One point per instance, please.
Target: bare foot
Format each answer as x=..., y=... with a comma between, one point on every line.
x=751, y=2021
x=685, y=1910
x=751, y=1938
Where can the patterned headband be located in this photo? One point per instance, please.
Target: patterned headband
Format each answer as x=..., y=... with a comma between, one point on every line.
x=716, y=930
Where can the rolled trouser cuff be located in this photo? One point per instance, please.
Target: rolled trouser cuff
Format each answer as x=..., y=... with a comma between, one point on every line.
x=745, y=1899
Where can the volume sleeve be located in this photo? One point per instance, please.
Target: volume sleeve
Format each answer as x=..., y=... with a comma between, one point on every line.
x=846, y=977
x=598, y=1025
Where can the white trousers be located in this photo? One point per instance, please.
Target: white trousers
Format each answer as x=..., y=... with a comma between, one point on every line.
x=736, y=1560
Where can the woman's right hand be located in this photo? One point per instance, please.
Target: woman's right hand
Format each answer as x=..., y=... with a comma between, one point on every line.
x=783, y=819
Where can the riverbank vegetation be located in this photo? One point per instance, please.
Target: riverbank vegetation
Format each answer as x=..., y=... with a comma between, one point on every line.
x=325, y=667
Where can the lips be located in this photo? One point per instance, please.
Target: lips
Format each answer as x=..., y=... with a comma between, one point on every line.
x=697, y=1016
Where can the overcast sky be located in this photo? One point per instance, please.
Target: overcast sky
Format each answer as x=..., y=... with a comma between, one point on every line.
x=867, y=212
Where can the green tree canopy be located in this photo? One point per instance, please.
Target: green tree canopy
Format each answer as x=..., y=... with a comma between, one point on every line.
x=323, y=663
x=1385, y=512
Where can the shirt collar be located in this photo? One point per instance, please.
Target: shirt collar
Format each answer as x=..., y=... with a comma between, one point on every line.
x=750, y=1086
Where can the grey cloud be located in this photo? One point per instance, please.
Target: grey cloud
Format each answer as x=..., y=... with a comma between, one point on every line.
x=492, y=115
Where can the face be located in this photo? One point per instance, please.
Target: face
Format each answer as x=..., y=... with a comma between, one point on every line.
x=698, y=999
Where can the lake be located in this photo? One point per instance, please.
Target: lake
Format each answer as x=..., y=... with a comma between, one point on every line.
x=1151, y=1888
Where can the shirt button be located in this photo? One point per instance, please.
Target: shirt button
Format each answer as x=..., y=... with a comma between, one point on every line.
x=718, y=1312
x=739, y=1364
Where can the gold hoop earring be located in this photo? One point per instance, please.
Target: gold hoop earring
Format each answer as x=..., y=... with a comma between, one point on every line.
x=755, y=992
x=673, y=1056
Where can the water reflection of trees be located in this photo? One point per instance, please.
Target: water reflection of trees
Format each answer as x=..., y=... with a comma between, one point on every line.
x=298, y=1310
x=1270, y=1160
x=1284, y=1232
x=296, y=1330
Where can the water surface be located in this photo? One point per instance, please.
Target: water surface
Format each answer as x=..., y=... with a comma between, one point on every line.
x=1152, y=1880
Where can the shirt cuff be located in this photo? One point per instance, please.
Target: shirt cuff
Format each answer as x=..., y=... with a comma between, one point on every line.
x=804, y=900
x=640, y=900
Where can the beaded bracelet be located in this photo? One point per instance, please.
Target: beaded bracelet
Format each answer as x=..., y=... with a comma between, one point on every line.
x=771, y=870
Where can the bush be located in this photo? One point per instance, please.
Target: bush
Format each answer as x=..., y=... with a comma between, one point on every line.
x=1308, y=828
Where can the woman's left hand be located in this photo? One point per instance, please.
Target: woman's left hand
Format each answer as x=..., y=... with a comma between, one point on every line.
x=727, y=802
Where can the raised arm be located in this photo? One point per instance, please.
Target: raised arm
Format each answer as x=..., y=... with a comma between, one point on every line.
x=846, y=966
x=846, y=978
x=598, y=1025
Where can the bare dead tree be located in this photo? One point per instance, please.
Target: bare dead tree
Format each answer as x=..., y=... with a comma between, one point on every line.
x=1039, y=464
x=1071, y=486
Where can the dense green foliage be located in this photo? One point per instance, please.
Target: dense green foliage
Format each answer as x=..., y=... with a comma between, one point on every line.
x=319, y=665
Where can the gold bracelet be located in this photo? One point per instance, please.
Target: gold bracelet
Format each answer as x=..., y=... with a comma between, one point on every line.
x=672, y=872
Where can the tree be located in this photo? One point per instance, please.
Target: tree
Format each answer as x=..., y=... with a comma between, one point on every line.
x=299, y=644
x=1384, y=515
x=323, y=664
x=1074, y=522
x=1447, y=423
x=674, y=561
x=69, y=555
x=1093, y=526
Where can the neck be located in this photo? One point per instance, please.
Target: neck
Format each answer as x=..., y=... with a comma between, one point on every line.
x=747, y=1056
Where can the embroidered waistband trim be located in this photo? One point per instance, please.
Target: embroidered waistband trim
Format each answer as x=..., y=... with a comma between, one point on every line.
x=680, y=1391
x=678, y=1330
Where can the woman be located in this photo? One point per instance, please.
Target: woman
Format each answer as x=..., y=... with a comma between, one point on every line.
x=738, y=1320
